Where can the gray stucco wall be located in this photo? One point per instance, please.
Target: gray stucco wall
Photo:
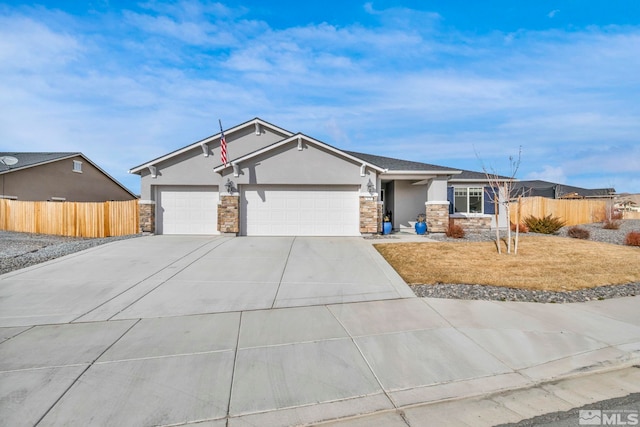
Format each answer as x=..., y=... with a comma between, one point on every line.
x=193, y=168
x=311, y=165
x=437, y=190
x=408, y=202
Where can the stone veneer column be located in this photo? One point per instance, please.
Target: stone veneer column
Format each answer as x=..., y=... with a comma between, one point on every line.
x=369, y=214
x=147, y=216
x=437, y=216
x=229, y=213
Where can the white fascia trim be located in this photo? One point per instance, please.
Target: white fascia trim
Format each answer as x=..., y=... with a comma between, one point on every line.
x=295, y=138
x=454, y=180
x=208, y=140
x=426, y=172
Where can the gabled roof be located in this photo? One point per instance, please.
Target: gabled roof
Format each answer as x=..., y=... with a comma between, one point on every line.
x=467, y=175
x=308, y=139
x=539, y=187
x=30, y=160
x=397, y=165
x=209, y=139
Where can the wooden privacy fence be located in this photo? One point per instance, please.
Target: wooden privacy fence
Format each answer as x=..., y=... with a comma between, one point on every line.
x=572, y=211
x=631, y=215
x=77, y=219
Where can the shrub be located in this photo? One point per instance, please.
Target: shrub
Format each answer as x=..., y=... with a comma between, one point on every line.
x=523, y=228
x=616, y=214
x=546, y=225
x=611, y=224
x=455, y=231
x=579, y=233
x=632, y=239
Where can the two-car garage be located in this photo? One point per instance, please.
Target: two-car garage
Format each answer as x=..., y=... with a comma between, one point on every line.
x=265, y=210
x=289, y=210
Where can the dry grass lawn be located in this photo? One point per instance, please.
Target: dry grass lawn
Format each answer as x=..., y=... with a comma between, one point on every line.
x=543, y=263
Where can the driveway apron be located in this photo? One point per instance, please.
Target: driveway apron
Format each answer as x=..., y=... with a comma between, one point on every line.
x=171, y=330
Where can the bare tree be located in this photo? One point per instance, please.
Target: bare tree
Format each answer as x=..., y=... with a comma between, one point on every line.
x=501, y=194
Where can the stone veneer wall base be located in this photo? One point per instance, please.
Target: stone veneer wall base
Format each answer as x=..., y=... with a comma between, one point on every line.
x=229, y=214
x=437, y=214
x=147, y=216
x=369, y=216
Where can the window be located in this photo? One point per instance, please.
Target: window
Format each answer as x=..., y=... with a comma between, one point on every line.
x=468, y=200
x=77, y=166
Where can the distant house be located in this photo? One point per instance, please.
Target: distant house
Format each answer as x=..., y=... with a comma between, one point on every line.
x=554, y=190
x=70, y=177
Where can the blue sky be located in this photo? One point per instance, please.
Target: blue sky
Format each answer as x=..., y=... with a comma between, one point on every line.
x=452, y=83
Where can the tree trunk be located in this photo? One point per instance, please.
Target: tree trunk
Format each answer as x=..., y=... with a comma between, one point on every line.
x=518, y=213
x=508, y=208
x=497, y=214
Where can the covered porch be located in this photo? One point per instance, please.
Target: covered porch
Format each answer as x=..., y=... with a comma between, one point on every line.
x=404, y=196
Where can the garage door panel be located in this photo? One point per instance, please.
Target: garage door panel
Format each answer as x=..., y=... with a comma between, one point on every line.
x=300, y=210
x=187, y=210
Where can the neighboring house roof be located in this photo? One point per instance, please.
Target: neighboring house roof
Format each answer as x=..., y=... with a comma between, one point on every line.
x=555, y=191
x=30, y=160
x=397, y=165
x=252, y=122
x=479, y=176
x=308, y=139
x=26, y=160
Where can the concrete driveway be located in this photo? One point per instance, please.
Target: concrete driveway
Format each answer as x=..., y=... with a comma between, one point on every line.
x=160, y=276
x=182, y=330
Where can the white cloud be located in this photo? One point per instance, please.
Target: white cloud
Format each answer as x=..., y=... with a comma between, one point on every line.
x=549, y=173
x=161, y=77
x=553, y=13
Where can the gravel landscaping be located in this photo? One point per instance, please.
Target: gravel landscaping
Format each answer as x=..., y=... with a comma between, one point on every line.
x=482, y=292
x=20, y=250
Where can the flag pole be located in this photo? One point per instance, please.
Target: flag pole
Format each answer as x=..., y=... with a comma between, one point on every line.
x=223, y=146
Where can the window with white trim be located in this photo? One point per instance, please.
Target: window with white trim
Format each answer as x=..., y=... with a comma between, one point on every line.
x=468, y=200
x=77, y=166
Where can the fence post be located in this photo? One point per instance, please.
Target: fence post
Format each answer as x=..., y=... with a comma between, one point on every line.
x=107, y=219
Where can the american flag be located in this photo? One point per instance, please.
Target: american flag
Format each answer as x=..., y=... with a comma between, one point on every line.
x=223, y=145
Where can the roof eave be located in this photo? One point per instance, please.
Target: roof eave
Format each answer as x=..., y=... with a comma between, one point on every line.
x=207, y=140
x=292, y=138
x=421, y=172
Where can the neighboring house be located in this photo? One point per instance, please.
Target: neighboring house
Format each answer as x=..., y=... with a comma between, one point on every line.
x=553, y=190
x=280, y=183
x=70, y=177
x=628, y=202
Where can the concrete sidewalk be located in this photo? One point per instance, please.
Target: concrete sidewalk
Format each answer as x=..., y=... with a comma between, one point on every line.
x=303, y=365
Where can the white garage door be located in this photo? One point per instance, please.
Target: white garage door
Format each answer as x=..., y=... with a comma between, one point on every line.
x=300, y=211
x=187, y=210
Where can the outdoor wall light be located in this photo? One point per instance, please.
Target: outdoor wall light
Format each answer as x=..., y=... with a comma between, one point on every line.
x=370, y=187
x=229, y=185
